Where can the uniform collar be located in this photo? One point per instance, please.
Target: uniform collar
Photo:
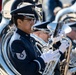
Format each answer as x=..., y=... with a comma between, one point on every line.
x=22, y=33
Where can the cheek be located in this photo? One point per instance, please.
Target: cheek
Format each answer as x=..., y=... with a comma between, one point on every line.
x=28, y=27
x=73, y=33
x=46, y=36
x=27, y=24
x=43, y=36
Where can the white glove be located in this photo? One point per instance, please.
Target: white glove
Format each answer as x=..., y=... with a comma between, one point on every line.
x=50, y=56
x=56, y=39
x=64, y=45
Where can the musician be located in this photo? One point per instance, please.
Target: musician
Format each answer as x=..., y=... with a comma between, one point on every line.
x=40, y=30
x=23, y=53
x=42, y=36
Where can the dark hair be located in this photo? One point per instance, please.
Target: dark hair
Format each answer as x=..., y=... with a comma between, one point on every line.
x=15, y=17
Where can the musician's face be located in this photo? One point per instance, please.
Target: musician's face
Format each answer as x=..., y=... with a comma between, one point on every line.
x=25, y=25
x=42, y=35
x=72, y=34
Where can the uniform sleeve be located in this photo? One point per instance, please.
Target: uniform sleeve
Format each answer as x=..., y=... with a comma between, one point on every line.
x=21, y=58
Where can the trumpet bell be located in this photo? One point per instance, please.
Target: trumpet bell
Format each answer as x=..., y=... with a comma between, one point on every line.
x=64, y=11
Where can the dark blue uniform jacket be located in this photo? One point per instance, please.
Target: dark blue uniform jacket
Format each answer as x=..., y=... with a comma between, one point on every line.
x=24, y=55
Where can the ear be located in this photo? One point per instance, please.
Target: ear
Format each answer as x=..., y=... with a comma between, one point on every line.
x=19, y=21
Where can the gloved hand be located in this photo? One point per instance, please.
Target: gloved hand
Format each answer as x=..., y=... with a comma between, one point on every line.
x=64, y=45
x=56, y=39
x=50, y=56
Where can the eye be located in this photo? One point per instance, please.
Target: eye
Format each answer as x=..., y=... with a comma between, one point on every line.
x=31, y=19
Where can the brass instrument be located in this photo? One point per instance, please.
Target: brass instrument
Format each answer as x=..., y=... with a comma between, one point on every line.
x=5, y=63
x=49, y=69
x=59, y=17
x=65, y=64
x=40, y=43
x=64, y=11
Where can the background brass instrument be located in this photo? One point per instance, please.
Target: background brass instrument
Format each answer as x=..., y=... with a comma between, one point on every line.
x=64, y=11
x=65, y=65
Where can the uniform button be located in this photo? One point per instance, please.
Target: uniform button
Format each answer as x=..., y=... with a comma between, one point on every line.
x=21, y=55
x=26, y=35
x=31, y=40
